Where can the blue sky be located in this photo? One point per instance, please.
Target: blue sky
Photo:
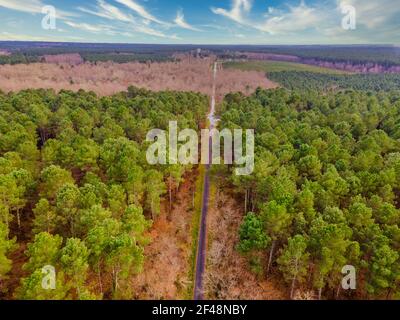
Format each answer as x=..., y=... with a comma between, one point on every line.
x=203, y=21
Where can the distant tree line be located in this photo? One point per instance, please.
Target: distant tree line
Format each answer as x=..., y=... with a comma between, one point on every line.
x=302, y=80
x=386, y=56
x=18, y=58
x=126, y=57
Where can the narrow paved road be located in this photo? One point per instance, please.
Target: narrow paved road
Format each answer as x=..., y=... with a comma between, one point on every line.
x=202, y=241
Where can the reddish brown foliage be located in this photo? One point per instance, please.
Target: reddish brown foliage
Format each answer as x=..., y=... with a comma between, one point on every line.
x=228, y=276
x=189, y=74
x=165, y=273
x=73, y=58
x=4, y=53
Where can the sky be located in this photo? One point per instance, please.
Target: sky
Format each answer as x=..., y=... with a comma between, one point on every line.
x=202, y=21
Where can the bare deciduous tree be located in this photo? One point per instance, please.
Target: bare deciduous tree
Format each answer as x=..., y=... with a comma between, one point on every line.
x=106, y=78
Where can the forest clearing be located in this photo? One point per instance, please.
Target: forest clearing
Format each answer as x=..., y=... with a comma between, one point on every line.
x=107, y=78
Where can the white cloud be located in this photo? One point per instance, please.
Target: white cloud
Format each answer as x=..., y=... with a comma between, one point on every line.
x=140, y=10
x=373, y=14
x=32, y=6
x=296, y=19
x=216, y=27
x=237, y=12
x=113, y=31
x=150, y=31
x=180, y=21
x=107, y=11
x=88, y=27
x=8, y=36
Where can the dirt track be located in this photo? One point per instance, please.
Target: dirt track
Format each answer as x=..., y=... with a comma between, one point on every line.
x=202, y=242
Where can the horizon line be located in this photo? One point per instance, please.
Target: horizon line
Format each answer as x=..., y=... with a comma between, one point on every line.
x=207, y=44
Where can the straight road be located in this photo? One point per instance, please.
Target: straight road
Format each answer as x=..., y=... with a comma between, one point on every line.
x=202, y=241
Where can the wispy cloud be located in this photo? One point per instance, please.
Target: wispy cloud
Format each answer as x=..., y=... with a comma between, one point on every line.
x=4, y=36
x=286, y=21
x=153, y=32
x=180, y=21
x=112, y=31
x=297, y=18
x=140, y=10
x=373, y=14
x=276, y=21
x=32, y=6
x=8, y=36
x=108, y=11
x=88, y=27
x=239, y=9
